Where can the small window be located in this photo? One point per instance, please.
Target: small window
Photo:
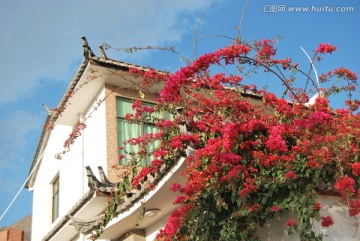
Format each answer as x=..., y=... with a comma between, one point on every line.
x=127, y=130
x=55, y=198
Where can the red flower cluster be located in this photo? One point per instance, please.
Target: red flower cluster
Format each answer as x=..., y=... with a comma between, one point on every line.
x=356, y=168
x=353, y=105
x=285, y=63
x=275, y=141
x=345, y=73
x=149, y=77
x=266, y=50
x=174, y=223
x=187, y=75
x=326, y=221
x=345, y=186
x=354, y=208
x=317, y=206
x=326, y=48
x=248, y=188
x=254, y=207
x=275, y=208
x=175, y=187
x=74, y=134
x=290, y=223
x=290, y=175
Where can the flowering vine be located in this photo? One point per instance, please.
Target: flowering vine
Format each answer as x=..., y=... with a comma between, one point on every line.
x=257, y=155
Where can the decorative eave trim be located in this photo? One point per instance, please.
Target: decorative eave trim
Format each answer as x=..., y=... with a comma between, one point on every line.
x=131, y=196
x=104, y=186
x=96, y=188
x=85, y=226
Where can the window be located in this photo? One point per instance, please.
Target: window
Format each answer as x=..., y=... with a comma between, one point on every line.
x=55, y=198
x=127, y=131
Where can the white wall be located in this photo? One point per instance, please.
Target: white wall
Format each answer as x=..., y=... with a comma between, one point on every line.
x=95, y=152
x=88, y=149
x=344, y=228
x=49, y=168
x=153, y=230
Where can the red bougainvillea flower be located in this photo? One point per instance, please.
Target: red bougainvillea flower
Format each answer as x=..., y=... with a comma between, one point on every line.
x=275, y=208
x=244, y=192
x=354, y=208
x=174, y=222
x=317, y=206
x=326, y=221
x=290, y=175
x=175, y=187
x=121, y=156
x=290, y=223
x=345, y=73
x=345, y=186
x=352, y=104
x=254, y=207
x=160, y=153
x=275, y=141
x=356, y=169
x=325, y=48
x=266, y=50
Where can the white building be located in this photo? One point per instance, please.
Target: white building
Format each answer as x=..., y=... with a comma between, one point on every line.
x=69, y=195
x=61, y=186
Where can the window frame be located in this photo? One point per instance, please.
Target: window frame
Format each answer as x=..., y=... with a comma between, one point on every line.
x=55, y=197
x=142, y=125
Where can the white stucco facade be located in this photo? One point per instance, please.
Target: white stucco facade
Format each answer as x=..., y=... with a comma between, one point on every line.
x=344, y=228
x=83, y=102
x=89, y=149
x=42, y=188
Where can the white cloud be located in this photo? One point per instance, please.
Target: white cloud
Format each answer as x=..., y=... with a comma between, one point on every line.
x=40, y=38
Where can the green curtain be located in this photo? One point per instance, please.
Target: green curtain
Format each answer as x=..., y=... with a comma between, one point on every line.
x=127, y=131
x=151, y=129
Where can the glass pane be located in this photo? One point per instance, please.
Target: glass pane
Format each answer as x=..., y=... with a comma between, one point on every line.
x=127, y=131
x=123, y=107
x=151, y=129
x=154, y=116
x=55, y=199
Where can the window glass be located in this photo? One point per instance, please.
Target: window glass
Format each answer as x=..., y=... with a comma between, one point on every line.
x=55, y=198
x=127, y=131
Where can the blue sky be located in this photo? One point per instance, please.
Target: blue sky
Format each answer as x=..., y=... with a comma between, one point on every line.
x=41, y=50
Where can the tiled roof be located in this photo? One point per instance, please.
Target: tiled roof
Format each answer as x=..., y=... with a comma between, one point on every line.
x=126, y=201
x=89, y=56
x=23, y=225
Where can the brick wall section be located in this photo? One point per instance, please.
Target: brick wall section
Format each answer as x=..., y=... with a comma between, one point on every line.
x=11, y=235
x=112, y=92
x=16, y=235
